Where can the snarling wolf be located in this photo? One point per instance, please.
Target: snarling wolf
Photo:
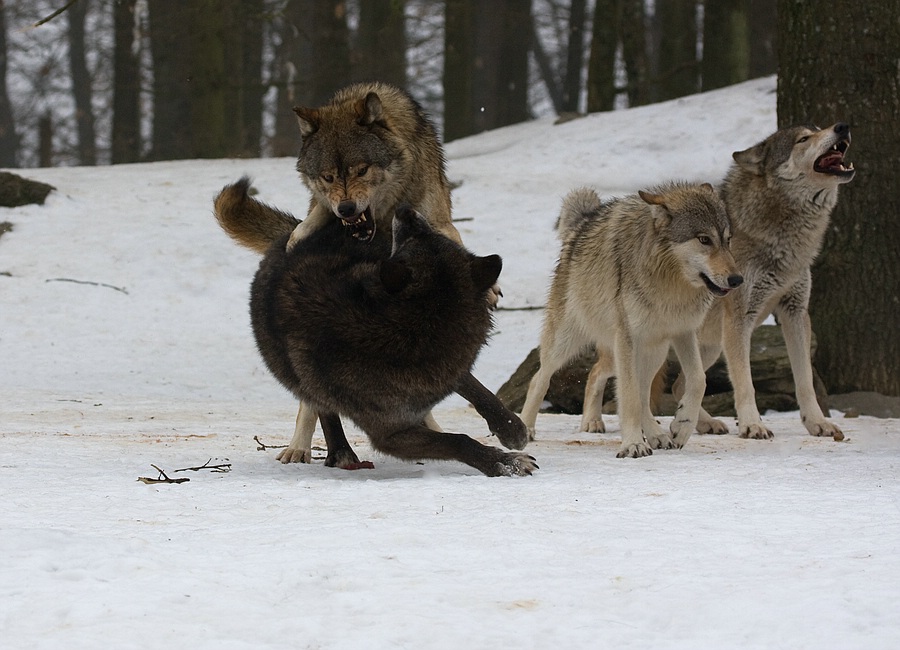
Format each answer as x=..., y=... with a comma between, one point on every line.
x=368, y=150
x=779, y=195
x=382, y=338
x=635, y=275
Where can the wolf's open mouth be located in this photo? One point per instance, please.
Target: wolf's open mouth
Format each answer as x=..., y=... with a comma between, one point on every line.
x=362, y=226
x=832, y=161
x=713, y=287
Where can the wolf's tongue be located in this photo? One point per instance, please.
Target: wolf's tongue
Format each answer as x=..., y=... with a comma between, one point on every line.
x=833, y=160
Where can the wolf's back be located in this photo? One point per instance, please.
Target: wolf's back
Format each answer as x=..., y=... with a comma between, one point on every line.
x=579, y=205
x=250, y=222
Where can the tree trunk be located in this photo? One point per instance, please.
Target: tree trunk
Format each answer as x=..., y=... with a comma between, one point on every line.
x=855, y=305
x=81, y=85
x=574, y=57
x=207, y=80
x=243, y=77
x=459, y=67
x=126, y=118
x=9, y=140
x=633, y=31
x=678, y=69
x=726, y=43
x=763, y=35
x=601, y=81
x=169, y=42
x=380, y=51
x=45, y=140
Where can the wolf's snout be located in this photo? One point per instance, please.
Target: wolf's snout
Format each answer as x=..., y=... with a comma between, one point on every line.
x=842, y=129
x=734, y=281
x=347, y=209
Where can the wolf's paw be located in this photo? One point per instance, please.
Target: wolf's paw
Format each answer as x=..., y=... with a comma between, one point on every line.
x=514, y=434
x=593, y=426
x=661, y=440
x=712, y=426
x=635, y=450
x=824, y=428
x=493, y=296
x=756, y=431
x=513, y=464
x=531, y=434
x=342, y=458
x=295, y=455
x=681, y=431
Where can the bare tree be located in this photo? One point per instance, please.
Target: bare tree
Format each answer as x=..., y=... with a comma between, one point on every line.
x=9, y=140
x=126, y=118
x=601, y=81
x=574, y=57
x=81, y=84
x=726, y=43
x=677, y=70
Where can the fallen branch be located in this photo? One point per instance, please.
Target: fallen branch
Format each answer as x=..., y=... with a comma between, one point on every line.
x=262, y=446
x=162, y=478
x=93, y=284
x=221, y=468
x=526, y=308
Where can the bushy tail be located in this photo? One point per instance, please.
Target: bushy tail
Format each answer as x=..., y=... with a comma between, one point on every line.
x=579, y=205
x=250, y=222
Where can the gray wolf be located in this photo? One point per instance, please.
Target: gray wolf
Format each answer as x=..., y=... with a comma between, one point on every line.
x=381, y=339
x=635, y=275
x=368, y=150
x=779, y=195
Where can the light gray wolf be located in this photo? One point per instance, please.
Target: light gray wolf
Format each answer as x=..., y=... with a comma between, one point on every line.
x=635, y=275
x=779, y=195
x=382, y=338
x=370, y=149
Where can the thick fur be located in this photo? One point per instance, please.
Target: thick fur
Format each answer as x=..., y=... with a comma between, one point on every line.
x=635, y=275
x=382, y=338
x=779, y=195
x=370, y=149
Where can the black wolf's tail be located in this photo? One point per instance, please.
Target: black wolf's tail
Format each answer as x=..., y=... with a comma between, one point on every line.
x=250, y=222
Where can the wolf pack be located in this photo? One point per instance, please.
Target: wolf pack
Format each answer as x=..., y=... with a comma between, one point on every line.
x=371, y=309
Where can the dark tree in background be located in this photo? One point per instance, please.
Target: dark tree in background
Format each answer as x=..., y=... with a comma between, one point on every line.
x=9, y=141
x=379, y=52
x=838, y=61
x=126, y=118
x=170, y=36
x=485, y=77
x=726, y=43
x=601, y=78
x=677, y=67
x=574, y=57
x=243, y=76
x=81, y=84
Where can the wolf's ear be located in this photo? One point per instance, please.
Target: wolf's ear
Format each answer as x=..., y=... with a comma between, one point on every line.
x=485, y=271
x=652, y=199
x=751, y=159
x=394, y=275
x=370, y=110
x=661, y=216
x=708, y=187
x=308, y=118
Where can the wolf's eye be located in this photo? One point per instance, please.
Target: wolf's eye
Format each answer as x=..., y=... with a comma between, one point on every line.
x=803, y=139
x=706, y=240
x=328, y=178
x=362, y=171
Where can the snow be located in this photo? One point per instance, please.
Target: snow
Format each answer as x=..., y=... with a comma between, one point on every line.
x=790, y=543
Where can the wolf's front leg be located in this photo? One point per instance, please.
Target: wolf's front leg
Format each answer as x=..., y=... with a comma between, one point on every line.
x=797, y=334
x=648, y=358
x=736, y=339
x=299, y=450
x=510, y=430
x=628, y=396
x=318, y=216
x=592, y=409
x=685, y=420
x=340, y=453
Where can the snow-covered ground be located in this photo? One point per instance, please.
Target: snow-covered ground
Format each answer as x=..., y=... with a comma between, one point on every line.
x=728, y=543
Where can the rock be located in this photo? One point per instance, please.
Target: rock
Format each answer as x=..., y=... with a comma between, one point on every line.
x=769, y=363
x=16, y=191
x=866, y=403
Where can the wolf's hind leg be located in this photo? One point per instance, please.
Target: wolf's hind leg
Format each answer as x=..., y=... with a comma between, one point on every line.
x=557, y=346
x=299, y=450
x=420, y=443
x=685, y=420
x=592, y=411
x=510, y=430
x=340, y=454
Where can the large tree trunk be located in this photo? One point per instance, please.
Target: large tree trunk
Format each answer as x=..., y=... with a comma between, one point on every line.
x=81, y=85
x=677, y=71
x=459, y=64
x=126, y=118
x=243, y=74
x=206, y=53
x=763, y=38
x=574, y=57
x=839, y=61
x=380, y=52
x=169, y=43
x=9, y=140
x=726, y=43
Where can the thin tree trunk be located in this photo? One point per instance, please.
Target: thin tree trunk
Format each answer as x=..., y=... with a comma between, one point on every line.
x=601, y=82
x=81, y=84
x=726, y=43
x=126, y=118
x=633, y=32
x=459, y=68
x=678, y=68
x=574, y=57
x=9, y=140
x=169, y=43
x=763, y=38
x=855, y=304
